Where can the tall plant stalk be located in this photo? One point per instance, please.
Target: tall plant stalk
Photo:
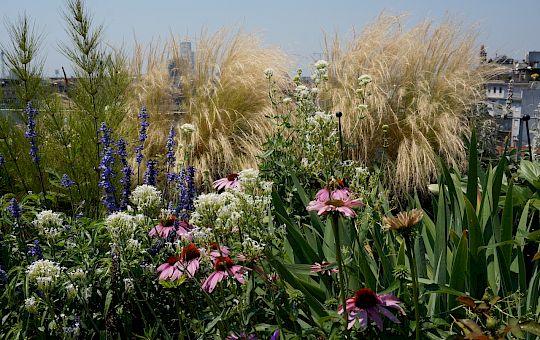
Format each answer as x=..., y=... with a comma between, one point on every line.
x=341, y=273
x=409, y=242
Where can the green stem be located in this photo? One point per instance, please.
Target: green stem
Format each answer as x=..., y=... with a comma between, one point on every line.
x=341, y=273
x=414, y=276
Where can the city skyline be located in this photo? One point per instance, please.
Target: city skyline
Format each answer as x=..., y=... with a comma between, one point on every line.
x=296, y=27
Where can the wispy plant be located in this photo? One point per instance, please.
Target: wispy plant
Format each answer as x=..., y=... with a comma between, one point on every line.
x=22, y=58
x=424, y=80
x=223, y=92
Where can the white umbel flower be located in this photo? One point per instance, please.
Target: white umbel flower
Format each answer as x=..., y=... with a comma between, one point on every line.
x=49, y=224
x=146, y=197
x=321, y=64
x=187, y=128
x=44, y=273
x=269, y=73
x=119, y=223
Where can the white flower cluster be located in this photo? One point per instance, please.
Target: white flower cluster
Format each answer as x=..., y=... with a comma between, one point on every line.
x=71, y=291
x=31, y=305
x=44, y=273
x=301, y=93
x=146, y=197
x=49, y=224
x=77, y=274
x=206, y=207
x=129, y=286
x=364, y=79
x=119, y=223
x=245, y=210
x=253, y=248
x=321, y=72
x=319, y=118
x=268, y=73
x=187, y=128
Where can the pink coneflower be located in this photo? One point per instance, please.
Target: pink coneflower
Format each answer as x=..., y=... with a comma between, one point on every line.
x=337, y=200
x=189, y=259
x=223, y=267
x=168, y=224
x=366, y=305
x=169, y=270
x=229, y=182
x=323, y=268
x=325, y=193
x=215, y=252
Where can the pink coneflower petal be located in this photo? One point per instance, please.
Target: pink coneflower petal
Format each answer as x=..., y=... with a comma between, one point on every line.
x=346, y=211
x=192, y=267
x=388, y=314
x=366, y=305
x=338, y=200
x=362, y=316
x=322, y=195
x=229, y=182
x=162, y=267
x=340, y=194
x=211, y=282
x=374, y=315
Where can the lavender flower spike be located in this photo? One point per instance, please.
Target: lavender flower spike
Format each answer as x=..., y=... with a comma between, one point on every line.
x=31, y=133
x=14, y=208
x=150, y=175
x=126, y=172
x=66, y=182
x=106, y=168
x=143, y=117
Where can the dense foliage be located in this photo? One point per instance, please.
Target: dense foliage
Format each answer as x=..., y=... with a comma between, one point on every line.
x=310, y=245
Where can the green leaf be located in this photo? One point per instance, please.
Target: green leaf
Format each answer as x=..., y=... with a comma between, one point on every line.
x=302, y=249
x=108, y=300
x=531, y=327
x=472, y=175
x=530, y=171
x=477, y=257
x=458, y=276
x=507, y=224
x=286, y=275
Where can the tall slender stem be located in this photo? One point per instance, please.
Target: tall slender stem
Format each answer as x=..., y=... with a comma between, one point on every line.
x=414, y=276
x=338, y=115
x=341, y=273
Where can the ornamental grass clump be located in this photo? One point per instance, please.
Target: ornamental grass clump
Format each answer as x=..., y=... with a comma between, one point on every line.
x=222, y=91
x=423, y=81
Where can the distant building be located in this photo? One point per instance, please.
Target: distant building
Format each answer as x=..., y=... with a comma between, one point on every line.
x=515, y=94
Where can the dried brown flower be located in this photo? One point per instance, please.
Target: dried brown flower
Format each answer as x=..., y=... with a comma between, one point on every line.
x=403, y=220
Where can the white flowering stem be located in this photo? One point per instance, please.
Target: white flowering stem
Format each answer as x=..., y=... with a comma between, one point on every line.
x=414, y=278
x=341, y=273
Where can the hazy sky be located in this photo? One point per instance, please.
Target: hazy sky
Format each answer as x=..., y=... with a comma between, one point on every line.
x=297, y=26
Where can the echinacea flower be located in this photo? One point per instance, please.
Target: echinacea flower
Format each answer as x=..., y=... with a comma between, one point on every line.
x=169, y=271
x=339, y=200
x=168, y=224
x=229, y=182
x=323, y=268
x=325, y=193
x=403, y=220
x=215, y=252
x=189, y=259
x=366, y=305
x=223, y=268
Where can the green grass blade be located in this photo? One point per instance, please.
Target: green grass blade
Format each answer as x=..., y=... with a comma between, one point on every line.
x=472, y=175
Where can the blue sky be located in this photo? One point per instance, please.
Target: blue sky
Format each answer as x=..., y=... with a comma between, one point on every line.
x=297, y=26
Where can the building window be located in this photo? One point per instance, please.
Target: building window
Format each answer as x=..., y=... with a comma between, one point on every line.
x=500, y=89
